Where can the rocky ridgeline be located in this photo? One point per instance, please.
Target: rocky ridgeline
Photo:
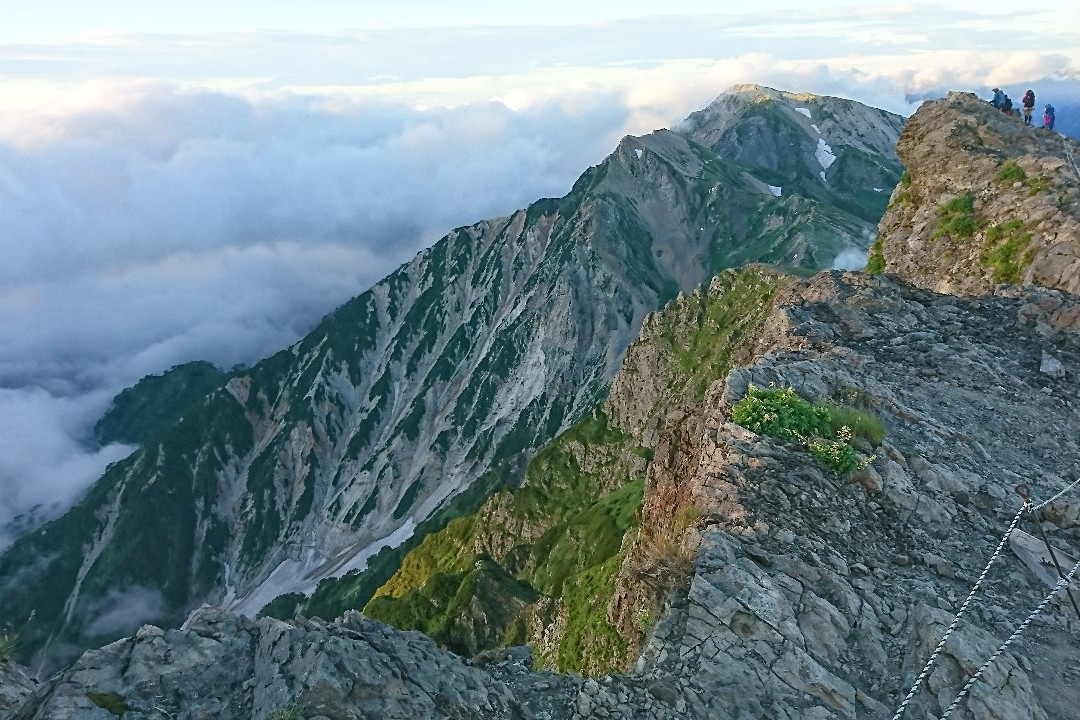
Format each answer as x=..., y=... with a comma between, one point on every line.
x=985, y=201
x=812, y=595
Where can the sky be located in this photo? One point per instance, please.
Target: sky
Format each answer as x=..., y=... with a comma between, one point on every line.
x=205, y=180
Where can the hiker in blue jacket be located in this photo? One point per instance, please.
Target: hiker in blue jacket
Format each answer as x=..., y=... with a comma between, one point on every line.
x=1048, y=117
x=999, y=98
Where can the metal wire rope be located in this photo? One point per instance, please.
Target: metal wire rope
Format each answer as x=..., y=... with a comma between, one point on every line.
x=1061, y=585
x=959, y=613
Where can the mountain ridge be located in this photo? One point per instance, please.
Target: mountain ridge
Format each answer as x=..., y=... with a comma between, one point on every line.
x=442, y=377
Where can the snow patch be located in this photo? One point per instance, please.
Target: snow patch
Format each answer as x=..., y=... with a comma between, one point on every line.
x=637, y=151
x=824, y=154
x=816, y=128
x=776, y=191
x=822, y=174
x=803, y=111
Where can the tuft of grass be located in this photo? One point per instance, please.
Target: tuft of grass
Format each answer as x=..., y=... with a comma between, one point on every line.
x=1010, y=172
x=1038, y=185
x=862, y=423
x=289, y=712
x=905, y=179
x=956, y=218
x=8, y=643
x=1004, y=251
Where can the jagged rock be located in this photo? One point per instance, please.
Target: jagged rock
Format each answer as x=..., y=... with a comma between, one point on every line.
x=1051, y=366
x=15, y=686
x=771, y=628
x=811, y=596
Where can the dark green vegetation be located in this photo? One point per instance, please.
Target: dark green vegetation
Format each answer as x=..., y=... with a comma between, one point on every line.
x=825, y=430
x=553, y=547
x=558, y=536
x=156, y=401
x=1004, y=251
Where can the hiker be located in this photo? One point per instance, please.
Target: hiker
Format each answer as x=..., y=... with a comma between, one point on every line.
x=1048, y=117
x=1006, y=105
x=1029, y=106
x=999, y=98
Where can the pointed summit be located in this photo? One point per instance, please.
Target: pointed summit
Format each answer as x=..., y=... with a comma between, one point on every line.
x=833, y=150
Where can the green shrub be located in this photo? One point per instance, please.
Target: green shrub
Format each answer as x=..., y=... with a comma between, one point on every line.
x=780, y=413
x=826, y=431
x=905, y=179
x=836, y=454
x=1010, y=172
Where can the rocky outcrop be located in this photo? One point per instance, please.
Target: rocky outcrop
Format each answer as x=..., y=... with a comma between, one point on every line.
x=985, y=201
x=224, y=667
x=815, y=595
x=15, y=686
x=811, y=595
x=564, y=533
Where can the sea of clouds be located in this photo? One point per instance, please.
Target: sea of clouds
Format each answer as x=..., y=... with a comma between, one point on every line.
x=169, y=224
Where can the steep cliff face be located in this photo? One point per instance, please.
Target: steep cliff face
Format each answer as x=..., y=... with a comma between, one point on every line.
x=411, y=403
x=985, y=201
x=812, y=594
x=564, y=533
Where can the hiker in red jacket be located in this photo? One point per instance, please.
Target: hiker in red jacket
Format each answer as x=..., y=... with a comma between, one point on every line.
x=1029, y=106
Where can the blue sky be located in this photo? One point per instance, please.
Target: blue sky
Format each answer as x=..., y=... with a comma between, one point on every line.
x=204, y=180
